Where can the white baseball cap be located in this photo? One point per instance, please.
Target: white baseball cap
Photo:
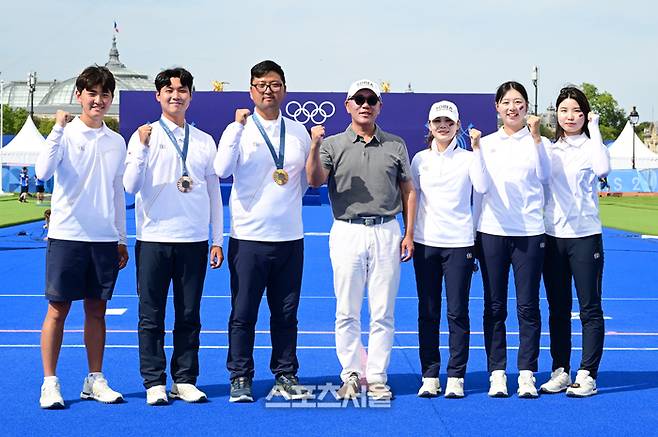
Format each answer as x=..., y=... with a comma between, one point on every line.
x=364, y=84
x=444, y=108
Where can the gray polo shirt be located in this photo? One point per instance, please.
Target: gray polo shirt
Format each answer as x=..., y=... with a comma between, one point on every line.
x=364, y=179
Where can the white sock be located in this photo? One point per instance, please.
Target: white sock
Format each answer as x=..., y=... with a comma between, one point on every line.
x=50, y=379
x=94, y=375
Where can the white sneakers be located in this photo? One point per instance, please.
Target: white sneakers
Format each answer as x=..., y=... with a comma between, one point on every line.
x=498, y=384
x=584, y=386
x=157, y=395
x=51, y=396
x=187, y=392
x=559, y=382
x=351, y=389
x=96, y=388
x=430, y=389
x=455, y=388
x=379, y=391
x=527, y=387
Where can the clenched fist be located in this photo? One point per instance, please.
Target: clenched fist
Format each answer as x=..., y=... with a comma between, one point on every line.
x=533, y=125
x=317, y=135
x=241, y=116
x=593, y=118
x=62, y=117
x=144, y=134
x=475, y=136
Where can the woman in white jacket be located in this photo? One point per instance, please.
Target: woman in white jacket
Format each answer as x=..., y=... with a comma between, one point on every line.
x=574, y=247
x=511, y=234
x=444, y=176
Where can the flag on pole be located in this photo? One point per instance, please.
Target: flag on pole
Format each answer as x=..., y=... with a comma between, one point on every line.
x=116, y=28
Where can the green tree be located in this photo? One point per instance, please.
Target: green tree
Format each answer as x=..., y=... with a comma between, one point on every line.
x=613, y=118
x=14, y=118
x=44, y=124
x=112, y=123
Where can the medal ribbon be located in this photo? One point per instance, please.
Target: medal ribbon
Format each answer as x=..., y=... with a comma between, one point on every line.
x=186, y=143
x=278, y=160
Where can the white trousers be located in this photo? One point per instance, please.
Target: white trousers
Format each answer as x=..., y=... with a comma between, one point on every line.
x=365, y=257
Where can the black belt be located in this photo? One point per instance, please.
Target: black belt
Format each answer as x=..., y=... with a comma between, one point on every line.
x=370, y=221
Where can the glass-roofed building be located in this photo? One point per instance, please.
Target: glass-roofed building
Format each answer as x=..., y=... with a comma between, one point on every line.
x=51, y=96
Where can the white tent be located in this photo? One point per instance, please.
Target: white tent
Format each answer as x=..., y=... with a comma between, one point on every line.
x=24, y=149
x=621, y=152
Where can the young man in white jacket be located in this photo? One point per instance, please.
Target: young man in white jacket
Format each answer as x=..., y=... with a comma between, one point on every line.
x=87, y=231
x=170, y=169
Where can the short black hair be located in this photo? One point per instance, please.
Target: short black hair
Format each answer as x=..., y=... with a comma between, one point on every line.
x=571, y=92
x=264, y=67
x=511, y=85
x=163, y=78
x=93, y=76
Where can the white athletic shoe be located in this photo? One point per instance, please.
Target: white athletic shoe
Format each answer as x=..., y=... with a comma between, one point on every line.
x=187, y=392
x=584, y=386
x=379, y=391
x=455, y=388
x=527, y=387
x=498, y=384
x=430, y=389
x=350, y=389
x=95, y=387
x=157, y=395
x=51, y=396
x=559, y=382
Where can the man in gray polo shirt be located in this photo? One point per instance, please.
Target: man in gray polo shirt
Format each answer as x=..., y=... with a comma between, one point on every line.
x=369, y=183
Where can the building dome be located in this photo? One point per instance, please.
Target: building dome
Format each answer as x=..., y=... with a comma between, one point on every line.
x=62, y=93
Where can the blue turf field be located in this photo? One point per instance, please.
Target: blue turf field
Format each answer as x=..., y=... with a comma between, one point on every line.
x=628, y=380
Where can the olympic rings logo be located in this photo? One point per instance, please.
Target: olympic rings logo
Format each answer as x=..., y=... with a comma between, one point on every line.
x=310, y=111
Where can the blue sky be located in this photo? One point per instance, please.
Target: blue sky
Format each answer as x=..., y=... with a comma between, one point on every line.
x=467, y=46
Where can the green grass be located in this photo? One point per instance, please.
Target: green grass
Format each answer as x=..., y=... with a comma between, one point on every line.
x=634, y=214
x=13, y=212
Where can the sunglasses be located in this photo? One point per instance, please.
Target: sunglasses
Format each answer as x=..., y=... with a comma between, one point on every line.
x=360, y=100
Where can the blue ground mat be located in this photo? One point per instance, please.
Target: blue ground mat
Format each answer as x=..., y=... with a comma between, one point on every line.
x=628, y=378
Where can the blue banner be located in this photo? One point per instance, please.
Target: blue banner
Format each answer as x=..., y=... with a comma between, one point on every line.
x=403, y=114
x=642, y=181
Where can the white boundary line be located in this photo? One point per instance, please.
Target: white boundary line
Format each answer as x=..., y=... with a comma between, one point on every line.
x=130, y=346
x=224, y=332
x=226, y=296
x=115, y=311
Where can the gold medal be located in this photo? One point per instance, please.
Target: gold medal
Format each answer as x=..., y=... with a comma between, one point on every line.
x=184, y=184
x=280, y=176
